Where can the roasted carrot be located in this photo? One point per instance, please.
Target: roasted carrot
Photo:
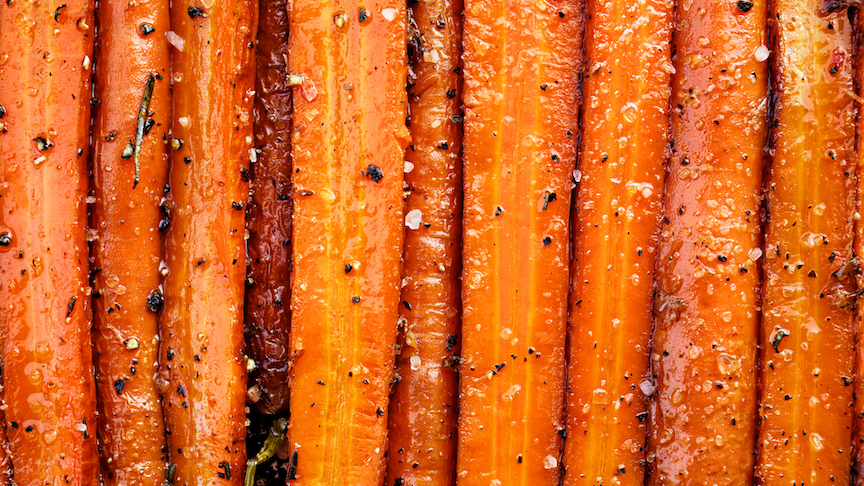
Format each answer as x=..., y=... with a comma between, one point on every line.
x=130, y=170
x=858, y=250
x=423, y=406
x=46, y=52
x=5, y=460
x=348, y=61
x=807, y=315
x=616, y=228
x=201, y=350
x=269, y=216
x=521, y=99
x=703, y=413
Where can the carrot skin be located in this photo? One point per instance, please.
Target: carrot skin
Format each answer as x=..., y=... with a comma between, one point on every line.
x=616, y=225
x=348, y=144
x=521, y=98
x=125, y=218
x=268, y=316
x=201, y=352
x=49, y=390
x=422, y=421
x=703, y=414
x=808, y=313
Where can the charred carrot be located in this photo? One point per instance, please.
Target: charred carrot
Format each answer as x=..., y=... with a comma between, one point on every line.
x=521, y=107
x=48, y=386
x=348, y=61
x=423, y=406
x=807, y=314
x=703, y=413
x=130, y=170
x=617, y=222
x=201, y=350
x=269, y=216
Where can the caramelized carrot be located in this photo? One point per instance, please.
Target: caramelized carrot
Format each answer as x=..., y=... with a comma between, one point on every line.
x=703, y=416
x=5, y=460
x=129, y=173
x=46, y=51
x=616, y=224
x=521, y=104
x=807, y=314
x=423, y=406
x=202, y=325
x=349, y=136
x=269, y=216
x=858, y=250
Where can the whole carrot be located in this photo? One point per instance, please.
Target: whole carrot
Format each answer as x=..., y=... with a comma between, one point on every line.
x=129, y=173
x=348, y=63
x=423, y=406
x=201, y=352
x=807, y=315
x=703, y=414
x=617, y=221
x=48, y=385
x=521, y=105
x=269, y=216
x=858, y=251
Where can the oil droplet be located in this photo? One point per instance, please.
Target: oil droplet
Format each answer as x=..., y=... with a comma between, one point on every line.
x=677, y=397
x=728, y=364
x=630, y=112
x=816, y=441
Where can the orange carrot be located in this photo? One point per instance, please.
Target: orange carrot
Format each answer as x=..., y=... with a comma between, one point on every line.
x=703, y=416
x=202, y=325
x=129, y=173
x=616, y=223
x=858, y=248
x=423, y=406
x=5, y=460
x=269, y=216
x=807, y=314
x=521, y=97
x=46, y=52
x=348, y=61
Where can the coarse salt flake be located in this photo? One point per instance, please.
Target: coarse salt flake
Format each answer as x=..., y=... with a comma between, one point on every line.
x=408, y=167
x=762, y=53
x=415, y=362
x=175, y=40
x=389, y=14
x=413, y=219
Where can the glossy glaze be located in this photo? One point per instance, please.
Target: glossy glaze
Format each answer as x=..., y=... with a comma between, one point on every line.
x=349, y=139
x=46, y=54
x=521, y=101
x=703, y=413
x=806, y=400
x=423, y=406
x=626, y=85
x=201, y=350
x=125, y=217
x=268, y=317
